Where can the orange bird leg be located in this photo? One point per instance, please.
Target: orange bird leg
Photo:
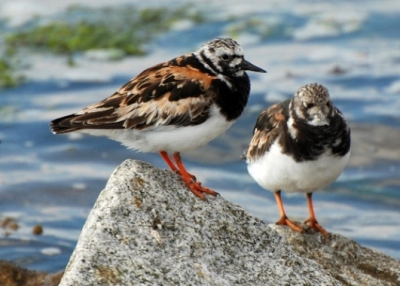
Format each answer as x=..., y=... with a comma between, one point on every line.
x=169, y=162
x=172, y=166
x=194, y=186
x=312, y=221
x=284, y=219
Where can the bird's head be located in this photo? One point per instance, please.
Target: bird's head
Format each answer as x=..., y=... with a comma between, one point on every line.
x=313, y=104
x=225, y=56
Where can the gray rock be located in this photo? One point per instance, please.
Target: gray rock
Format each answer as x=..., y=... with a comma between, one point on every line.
x=146, y=228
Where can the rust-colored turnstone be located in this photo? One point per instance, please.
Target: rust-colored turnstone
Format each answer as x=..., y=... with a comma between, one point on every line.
x=174, y=106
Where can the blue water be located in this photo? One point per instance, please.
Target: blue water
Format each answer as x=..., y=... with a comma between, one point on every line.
x=54, y=180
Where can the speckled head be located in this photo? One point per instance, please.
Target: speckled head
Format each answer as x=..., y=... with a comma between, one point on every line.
x=221, y=45
x=313, y=104
x=225, y=56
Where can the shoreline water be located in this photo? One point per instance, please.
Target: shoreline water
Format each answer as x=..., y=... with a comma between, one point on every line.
x=55, y=180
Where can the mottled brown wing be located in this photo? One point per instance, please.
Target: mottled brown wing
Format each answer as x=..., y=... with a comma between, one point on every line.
x=164, y=94
x=268, y=127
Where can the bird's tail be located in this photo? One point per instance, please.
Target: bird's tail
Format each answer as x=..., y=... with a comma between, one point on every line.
x=63, y=125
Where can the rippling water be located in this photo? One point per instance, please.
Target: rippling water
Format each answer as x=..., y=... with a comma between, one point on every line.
x=352, y=47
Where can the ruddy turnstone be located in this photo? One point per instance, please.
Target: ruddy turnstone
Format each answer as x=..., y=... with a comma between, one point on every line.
x=299, y=145
x=174, y=106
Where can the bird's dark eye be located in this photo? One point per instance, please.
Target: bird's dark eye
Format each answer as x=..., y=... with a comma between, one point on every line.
x=225, y=57
x=309, y=105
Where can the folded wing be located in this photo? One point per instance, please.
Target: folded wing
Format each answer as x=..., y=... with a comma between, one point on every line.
x=161, y=95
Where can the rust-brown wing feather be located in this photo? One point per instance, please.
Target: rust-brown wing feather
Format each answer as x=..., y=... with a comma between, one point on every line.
x=165, y=94
x=269, y=124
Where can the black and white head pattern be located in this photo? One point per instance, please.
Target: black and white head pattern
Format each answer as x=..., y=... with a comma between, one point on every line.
x=222, y=56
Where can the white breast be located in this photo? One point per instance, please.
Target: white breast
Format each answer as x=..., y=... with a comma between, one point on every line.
x=169, y=138
x=277, y=171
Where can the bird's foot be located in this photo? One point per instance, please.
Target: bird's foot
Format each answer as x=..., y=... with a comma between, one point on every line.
x=285, y=221
x=312, y=223
x=190, y=180
x=198, y=189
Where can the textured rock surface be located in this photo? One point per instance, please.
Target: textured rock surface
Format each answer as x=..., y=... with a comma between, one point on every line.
x=13, y=275
x=146, y=228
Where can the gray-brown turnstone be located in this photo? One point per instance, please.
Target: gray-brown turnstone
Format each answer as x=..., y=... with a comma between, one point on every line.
x=299, y=145
x=174, y=106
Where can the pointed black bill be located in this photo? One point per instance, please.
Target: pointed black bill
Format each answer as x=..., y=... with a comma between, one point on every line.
x=245, y=65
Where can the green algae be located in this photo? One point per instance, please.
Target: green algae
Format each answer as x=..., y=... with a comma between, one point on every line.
x=125, y=28
x=78, y=29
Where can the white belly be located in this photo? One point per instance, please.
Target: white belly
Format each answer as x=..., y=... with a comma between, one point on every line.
x=168, y=138
x=276, y=171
